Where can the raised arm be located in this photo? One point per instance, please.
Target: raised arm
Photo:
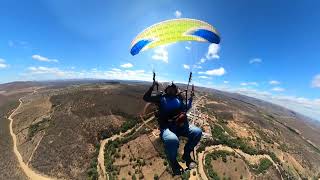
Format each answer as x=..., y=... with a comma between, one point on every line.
x=149, y=97
x=183, y=107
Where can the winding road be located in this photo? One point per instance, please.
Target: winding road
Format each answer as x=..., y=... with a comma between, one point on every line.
x=26, y=169
x=100, y=167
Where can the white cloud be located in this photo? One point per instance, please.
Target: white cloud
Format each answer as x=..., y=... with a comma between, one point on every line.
x=43, y=59
x=188, y=48
x=278, y=89
x=177, y=14
x=116, y=69
x=249, y=84
x=16, y=44
x=226, y=82
x=197, y=66
x=308, y=107
x=161, y=54
x=274, y=82
x=215, y=72
x=316, y=81
x=202, y=60
x=48, y=73
x=203, y=77
x=3, y=64
x=255, y=60
x=127, y=65
x=185, y=66
x=213, y=51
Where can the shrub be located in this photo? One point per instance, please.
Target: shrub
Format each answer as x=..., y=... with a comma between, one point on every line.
x=194, y=173
x=185, y=175
x=133, y=177
x=165, y=163
x=156, y=177
x=264, y=165
x=141, y=176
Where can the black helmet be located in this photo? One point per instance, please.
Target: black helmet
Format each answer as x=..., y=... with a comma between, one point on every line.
x=172, y=85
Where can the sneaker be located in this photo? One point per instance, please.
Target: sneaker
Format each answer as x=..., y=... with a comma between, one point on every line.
x=176, y=168
x=189, y=161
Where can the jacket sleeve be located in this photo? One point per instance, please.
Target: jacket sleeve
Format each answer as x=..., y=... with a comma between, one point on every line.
x=149, y=97
x=184, y=106
x=189, y=103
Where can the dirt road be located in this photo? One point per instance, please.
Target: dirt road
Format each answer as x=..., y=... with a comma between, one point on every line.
x=9, y=166
x=28, y=171
x=100, y=167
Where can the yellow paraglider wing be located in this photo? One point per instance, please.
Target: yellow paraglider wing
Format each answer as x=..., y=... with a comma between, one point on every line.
x=174, y=30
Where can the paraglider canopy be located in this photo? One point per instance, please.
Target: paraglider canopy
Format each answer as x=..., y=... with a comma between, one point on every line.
x=172, y=31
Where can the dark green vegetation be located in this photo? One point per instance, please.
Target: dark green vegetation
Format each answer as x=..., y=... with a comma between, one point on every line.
x=215, y=155
x=225, y=136
x=37, y=127
x=218, y=154
x=185, y=175
x=81, y=117
x=8, y=162
x=263, y=165
x=211, y=174
x=129, y=123
x=111, y=153
x=221, y=137
x=92, y=172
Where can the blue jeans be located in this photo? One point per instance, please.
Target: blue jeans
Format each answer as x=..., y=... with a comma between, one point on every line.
x=171, y=142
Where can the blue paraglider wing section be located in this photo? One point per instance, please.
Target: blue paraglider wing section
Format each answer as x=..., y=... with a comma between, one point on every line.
x=207, y=35
x=139, y=46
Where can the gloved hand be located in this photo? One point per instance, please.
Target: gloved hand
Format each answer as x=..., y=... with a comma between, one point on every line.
x=192, y=94
x=155, y=83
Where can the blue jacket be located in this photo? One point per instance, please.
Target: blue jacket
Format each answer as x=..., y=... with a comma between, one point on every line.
x=169, y=106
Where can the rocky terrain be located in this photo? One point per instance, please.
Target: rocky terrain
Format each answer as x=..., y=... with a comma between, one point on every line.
x=104, y=130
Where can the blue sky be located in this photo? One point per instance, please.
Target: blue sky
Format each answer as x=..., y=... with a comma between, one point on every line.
x=269, y=49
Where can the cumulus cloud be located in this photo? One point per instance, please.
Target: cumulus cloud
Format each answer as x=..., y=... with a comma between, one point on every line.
x=274, y=82
x=161, y=54
x=188, y=48
x=48, y=73
x=202, y=60
x=3, y=64
x=213, y=51
x=203, y=77
x=127, y=65
x=308, y=107
x=214, y=72
x=197, y=66
x=316, y=81
x=47, y=70
x=226, y=82
x=255, y=61
x=185, y=66
x=177, y=14
x=249, y=84
x=16, y=44
x=278, y=89
x=43, y=59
